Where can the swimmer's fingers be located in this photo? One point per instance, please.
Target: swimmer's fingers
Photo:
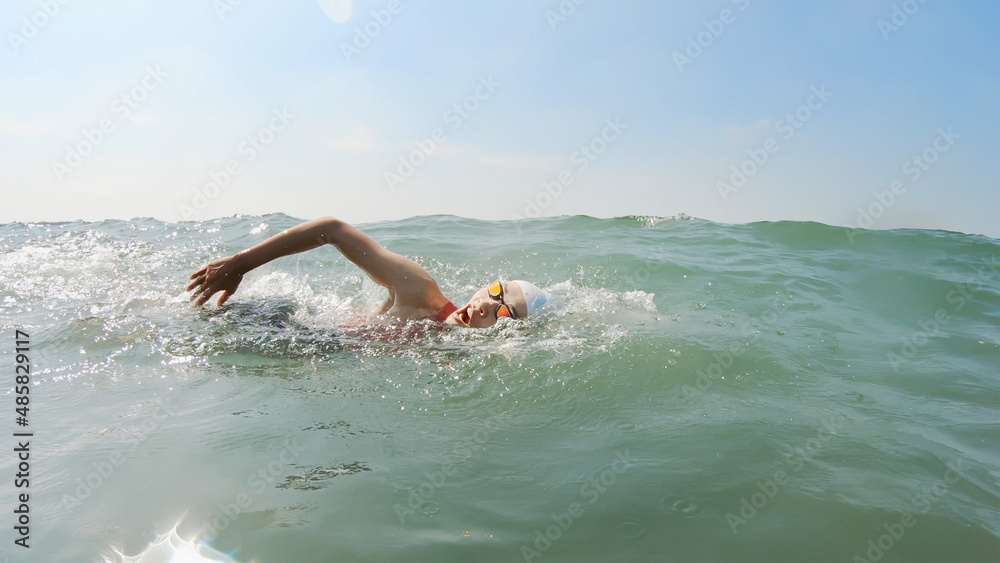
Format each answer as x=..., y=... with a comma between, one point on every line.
x=206, y=290
x=220, y=276
x=203, y=281
x=199, y=278
x=197, y=294
x=196, y=283
x=203, y=298
x=202, y=290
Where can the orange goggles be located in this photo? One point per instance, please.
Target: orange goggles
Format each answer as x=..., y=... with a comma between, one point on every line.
x=503, y=310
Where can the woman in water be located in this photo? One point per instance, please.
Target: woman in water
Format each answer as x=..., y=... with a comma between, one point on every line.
x=413, y=293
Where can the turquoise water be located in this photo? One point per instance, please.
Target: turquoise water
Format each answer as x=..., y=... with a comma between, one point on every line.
x=764, y=392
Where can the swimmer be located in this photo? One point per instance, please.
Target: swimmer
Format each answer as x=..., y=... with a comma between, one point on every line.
x=413, y=293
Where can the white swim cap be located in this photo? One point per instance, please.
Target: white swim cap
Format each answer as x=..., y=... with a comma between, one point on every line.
x=533, y=295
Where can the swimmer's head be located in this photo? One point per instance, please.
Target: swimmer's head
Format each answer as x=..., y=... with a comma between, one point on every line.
x=514, y=299
x=534, y=297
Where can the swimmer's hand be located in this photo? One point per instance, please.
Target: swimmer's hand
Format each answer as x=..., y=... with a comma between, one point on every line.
x=222, y=275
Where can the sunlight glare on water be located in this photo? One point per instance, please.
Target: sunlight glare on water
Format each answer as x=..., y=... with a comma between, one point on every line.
x=171, y=548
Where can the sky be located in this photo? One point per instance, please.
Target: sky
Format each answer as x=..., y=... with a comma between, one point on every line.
x=869, y=113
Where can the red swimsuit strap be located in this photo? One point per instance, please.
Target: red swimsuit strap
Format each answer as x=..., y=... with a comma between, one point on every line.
x=444, y=312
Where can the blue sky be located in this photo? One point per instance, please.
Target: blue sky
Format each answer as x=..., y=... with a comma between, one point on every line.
x=312, y=114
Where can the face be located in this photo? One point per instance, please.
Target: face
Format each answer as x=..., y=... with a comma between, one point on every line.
x=481, y=311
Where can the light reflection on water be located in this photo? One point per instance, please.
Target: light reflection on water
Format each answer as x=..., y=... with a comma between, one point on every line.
x=171, y=548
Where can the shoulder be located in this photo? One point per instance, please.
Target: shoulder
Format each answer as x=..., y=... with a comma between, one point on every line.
x=418, y=290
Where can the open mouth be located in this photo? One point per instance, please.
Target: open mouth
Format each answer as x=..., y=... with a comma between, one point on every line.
x=462, y=315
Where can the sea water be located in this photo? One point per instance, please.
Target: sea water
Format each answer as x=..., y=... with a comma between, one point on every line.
x=702, y=392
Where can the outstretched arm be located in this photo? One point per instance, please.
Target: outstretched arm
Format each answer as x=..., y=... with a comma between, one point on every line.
x=407, y=282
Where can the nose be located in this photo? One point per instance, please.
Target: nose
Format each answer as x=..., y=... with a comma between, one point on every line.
x=478, y=308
